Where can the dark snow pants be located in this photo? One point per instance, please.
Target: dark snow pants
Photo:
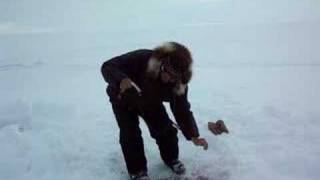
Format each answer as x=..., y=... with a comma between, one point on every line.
x=160, y=127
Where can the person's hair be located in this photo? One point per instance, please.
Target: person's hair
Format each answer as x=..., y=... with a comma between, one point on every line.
x=179, y=57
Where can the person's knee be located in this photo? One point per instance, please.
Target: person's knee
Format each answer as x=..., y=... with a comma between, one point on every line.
x=170, y=132
x=165, y=133
x=130, y=135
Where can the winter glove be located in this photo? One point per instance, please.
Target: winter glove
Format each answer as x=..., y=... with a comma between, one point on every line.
x=218, y=128
x=126, y=84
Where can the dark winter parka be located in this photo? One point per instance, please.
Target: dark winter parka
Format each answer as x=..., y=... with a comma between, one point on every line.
x=143, y=68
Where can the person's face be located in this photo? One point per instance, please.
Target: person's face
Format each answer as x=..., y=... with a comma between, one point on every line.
x=167, y=78
x=168, y=75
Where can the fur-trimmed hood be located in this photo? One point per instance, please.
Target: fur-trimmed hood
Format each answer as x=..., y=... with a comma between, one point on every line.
x=180, y=59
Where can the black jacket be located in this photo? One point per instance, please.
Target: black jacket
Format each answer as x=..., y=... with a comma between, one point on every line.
x=133, y=65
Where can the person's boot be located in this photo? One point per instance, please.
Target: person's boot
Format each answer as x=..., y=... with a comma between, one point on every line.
x=177, y=167
x=143, y=175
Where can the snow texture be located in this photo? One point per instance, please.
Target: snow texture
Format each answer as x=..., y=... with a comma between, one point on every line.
x=256, y=67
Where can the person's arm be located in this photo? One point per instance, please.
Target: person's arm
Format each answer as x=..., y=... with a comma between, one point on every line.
x=180, y=108
x=126, y=66
x=114, y=70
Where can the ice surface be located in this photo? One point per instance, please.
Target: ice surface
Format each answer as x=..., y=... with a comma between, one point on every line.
x=256, y=66
x=272, y=114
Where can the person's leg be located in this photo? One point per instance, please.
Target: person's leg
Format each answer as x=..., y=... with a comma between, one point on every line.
x=130, y=139
x=162, y=130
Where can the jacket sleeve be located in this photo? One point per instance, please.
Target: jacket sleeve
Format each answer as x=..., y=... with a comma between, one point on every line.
x=113, y=70
x=180, y=107
x=127, y=65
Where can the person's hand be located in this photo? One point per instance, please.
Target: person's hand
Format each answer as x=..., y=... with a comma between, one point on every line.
x=125, y=84
x=218, y=128
x=200, y=142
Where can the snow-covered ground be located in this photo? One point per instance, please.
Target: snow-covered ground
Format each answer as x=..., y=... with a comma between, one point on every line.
x=57, y=124
x=256, y=66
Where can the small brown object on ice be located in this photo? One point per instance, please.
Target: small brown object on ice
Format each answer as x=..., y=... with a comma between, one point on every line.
x=218, y=128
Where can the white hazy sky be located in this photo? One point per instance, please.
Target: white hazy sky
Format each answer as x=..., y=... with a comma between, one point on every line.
x=218, y=31
x=38, y=16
